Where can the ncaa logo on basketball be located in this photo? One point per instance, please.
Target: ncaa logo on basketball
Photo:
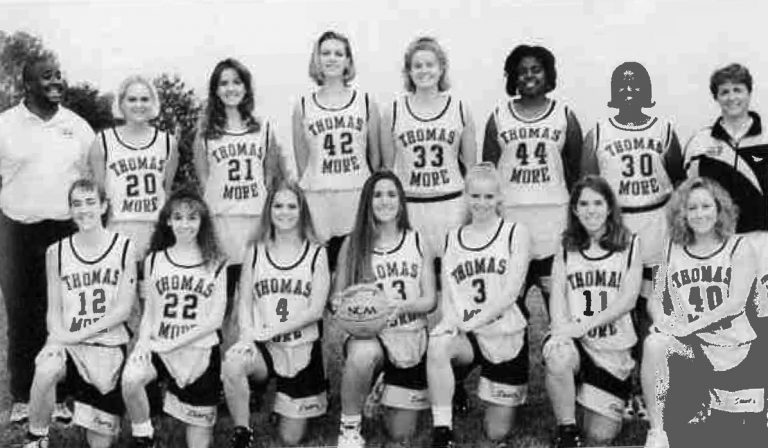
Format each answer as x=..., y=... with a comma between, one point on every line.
x=361, y=311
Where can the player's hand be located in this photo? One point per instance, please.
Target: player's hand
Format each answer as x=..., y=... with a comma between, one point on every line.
x=141, y=352
x=62, y=338
x=572, y=330
x=159, y=346
x=263, y=334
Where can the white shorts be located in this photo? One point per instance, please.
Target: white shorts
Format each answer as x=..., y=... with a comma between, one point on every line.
x=333, y=212
x=140, y=233
x=235, y=232
x=545, y=224
x=433, y=220
x=651, y=228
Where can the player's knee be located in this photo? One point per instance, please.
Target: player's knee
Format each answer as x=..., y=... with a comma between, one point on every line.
x=560, y=357
x=400, y=434
x=363, y=354
x=134, y=379
x=656, y=345
x=234, y=367
x=602, y=435
x=96, y=440
x=50, y=371
x=438, y=350
x=497, y=430
x=291, y=437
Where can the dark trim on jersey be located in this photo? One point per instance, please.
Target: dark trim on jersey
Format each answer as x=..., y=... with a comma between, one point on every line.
x=291, y=266
x=136, y=148
x=334, y=109
x=221, y=267
x=644, y=127
x=547, y=112
x=152, y=262
x=178, y=265
x=235, y=133
x=104, y=146
x=705, y=257
x=60, y=258
x=100, y=257
x=511, y=235
x=442, y=197
x=461, y=113
x=597, y=136
x=394, y=249
x=125, y=253
x=484, y=246
x=417, y=237
x=255, y=253
x=394, y=115
x=598, y=258
x=647, y=208
x=669, y=135
x=669, y=252
x=266, y=136
x=631, y=250
x=303, y=107
x=426, y=120
x=314, y=258
x=167, y=144
x=736, y=244
x=367, y=108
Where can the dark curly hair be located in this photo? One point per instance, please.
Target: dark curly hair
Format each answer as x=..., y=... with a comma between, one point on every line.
x=544, y=56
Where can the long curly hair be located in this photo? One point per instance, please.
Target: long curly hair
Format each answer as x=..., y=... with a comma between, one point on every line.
x=575, y=236
x=727, y=212
x=214, y=120
x=363, y=235
x=163, y=237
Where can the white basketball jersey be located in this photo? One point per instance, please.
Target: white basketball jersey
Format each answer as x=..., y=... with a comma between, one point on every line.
x=531, y=163
x=631, y=159
x=134, y=175
x=89, y=288
x=477, y=276
x=398, y=274
x=282, y=292
x=338, y=141
x=181, y=297
x=699, y=285
x=592, y=285
x=235, y=184
x=427, y=149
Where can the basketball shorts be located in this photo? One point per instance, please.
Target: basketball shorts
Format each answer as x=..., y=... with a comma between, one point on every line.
x=504, y=383
x=434, y=218
x=333, y=212
x=235, y=232
x=545, y=225
x=194, y=404
x=304, y=395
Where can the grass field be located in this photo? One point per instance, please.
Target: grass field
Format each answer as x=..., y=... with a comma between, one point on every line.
x=533, y=429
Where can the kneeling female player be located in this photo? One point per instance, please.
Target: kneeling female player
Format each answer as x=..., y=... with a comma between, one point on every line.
x=283, y=290
x=383, y=250
x=596, y=277
x=91, y=289
x=485, y=263
x=699, y=312
x=178, y=341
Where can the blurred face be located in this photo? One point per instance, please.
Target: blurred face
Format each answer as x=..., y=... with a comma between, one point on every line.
x=592, y=211
x=86, y=208
x=333, y=58
x=482, y=198
x=701, y=211
x=231, y=89
x=531, y=77
x=137, y=104
x=733, y=99
x=385, y=202
x=47, y=84
x=285, y=210
x=185, y=223
x=629, y=89
x=425, y=69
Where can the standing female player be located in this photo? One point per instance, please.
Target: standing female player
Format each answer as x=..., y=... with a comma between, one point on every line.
x=699, y=312
x=283, y=290
x=596, y=276
x=135, y=162
x=178, y=341
x=91, y=289
x=382, y=249
x=484, y=265
x=336, y=139
x=235, y=156
x=425, y=136
x=639, y=155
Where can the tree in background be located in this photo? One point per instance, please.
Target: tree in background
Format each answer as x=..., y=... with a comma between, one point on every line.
x=179, y=112
x=86, y=101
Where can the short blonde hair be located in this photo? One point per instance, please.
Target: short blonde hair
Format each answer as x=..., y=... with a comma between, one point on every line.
x=426, y=43
x=316, y=71
x=117, y=111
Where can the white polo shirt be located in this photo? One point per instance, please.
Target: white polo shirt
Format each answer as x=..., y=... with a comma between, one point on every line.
x=39, y=160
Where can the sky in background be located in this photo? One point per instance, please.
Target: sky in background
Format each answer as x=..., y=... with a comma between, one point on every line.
x=680, y=42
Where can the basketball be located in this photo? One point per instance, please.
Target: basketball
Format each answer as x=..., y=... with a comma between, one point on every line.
x=363, y=311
